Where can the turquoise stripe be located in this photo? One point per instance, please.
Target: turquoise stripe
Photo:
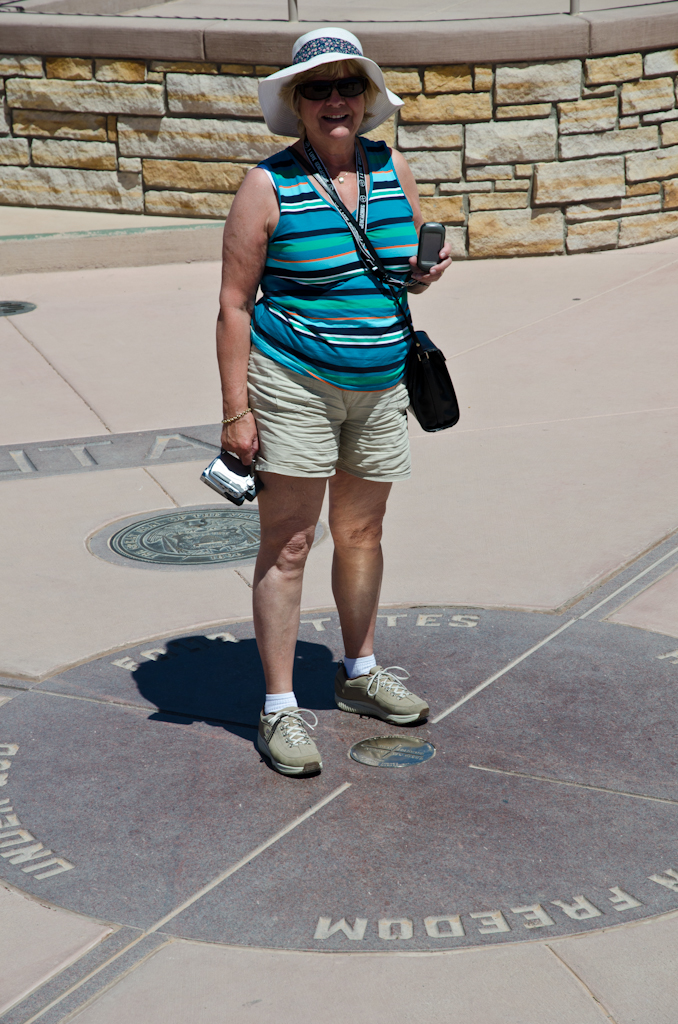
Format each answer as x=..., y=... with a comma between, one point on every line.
x=321, y=313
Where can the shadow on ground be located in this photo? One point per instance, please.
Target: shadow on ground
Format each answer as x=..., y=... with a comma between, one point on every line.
x=223, y=683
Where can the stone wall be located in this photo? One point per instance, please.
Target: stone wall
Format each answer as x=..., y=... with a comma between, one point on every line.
x=551, y=157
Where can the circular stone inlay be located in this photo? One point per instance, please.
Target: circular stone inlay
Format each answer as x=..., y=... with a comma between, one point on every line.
x=391, y=751
x=191, y=537
x=8, y=308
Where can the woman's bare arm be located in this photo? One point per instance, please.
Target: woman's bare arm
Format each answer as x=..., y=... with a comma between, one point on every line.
x=409, y=187
x=251, y=221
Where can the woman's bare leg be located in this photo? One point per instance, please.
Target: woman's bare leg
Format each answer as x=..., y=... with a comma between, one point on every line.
x=288, y=509
x=357, y=510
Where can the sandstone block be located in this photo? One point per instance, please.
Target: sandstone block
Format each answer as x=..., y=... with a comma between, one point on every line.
x=665, y=62
x=14, y=151
x=593, y=235
x=482, y=78
x=444, y=209
x=42, y=123
x=430, y=136
x=448, y=78
x=112, y=128
x=155, y=76
x=96, y=156
x=659, y=163
x=194, y=175
x=426, y=188
x=498, y=201
x=660, y=117
x=197, y=139
x=129, y=163
x=629, y=122
x=189, y=204
x=536, y=83
x=384, y=132
x=456, y=239
x=193, y=67
x=511, y=142
x=644, y=188
x=120, y=71
x=454, y=188
x=401, y=80
x=210, y=94
x=228, y=69
x=652, y=94
x=670, y=195
x=266, y=69
x=624, y=68
x=90, y=97
x=75, y=69
x=523, y=170
x=27, y=67
x=596, y=210
x=527, y=110
x=512, y=186
x=594, y=115
x=578, y=180
x=75, y=189
x=670, y=133
x=461, y=106
x=498, y=171
x=572, y=146
x=515, y=233
x=5, y=126
x=641, y=204
x=599, y=90
x=435, y=166
x=651, y=228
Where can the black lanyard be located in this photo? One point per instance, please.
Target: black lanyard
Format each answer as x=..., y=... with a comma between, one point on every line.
x=323, y=177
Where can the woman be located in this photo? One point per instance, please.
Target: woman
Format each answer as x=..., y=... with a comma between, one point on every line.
x=312, y=375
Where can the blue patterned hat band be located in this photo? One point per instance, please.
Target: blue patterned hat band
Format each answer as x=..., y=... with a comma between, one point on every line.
x=325, y=44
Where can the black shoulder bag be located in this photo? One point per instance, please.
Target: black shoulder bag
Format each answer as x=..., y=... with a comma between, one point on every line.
x=428, y=382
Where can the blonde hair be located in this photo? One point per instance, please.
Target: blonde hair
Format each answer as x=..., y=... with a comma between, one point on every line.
x=333, y=69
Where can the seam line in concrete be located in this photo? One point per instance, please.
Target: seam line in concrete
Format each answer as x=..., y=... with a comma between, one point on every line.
x=576, y=785
x=639, y=576
x=53, y=367
x=563, y=419
x=261, y=848
x=497, y=675
x=566, y=967
x=568, y=309
x=164, y=491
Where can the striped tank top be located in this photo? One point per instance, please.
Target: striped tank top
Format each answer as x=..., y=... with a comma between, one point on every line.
x=321, y=314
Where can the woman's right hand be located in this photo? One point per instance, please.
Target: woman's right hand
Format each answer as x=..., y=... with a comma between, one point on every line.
x=241, y=438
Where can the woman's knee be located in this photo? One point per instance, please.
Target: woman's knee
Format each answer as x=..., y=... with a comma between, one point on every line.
x=350, y=531
x=287, y=549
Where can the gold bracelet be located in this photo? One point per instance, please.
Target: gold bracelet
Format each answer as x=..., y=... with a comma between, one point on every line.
x=238, y=417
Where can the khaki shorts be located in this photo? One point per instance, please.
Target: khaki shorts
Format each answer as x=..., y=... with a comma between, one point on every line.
x=308, y=428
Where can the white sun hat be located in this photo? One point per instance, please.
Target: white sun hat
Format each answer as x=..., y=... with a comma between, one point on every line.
x=312, y=50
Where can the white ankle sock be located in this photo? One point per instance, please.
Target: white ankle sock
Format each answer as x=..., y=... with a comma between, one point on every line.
x=277, y=701
x=359, y=666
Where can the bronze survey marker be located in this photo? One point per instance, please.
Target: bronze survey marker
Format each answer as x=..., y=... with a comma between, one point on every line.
x=550, y=807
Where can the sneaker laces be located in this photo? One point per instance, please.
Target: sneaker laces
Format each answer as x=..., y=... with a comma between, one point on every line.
x=293, y=726
x=387, y=679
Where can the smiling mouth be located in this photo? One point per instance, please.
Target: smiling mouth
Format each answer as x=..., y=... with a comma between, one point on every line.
x=335, y=117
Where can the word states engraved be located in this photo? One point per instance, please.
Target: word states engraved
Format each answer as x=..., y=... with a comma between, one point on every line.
x=673, y=655
x=17, y=844
x=485, y=922
x=7, y=750
x=428, y=619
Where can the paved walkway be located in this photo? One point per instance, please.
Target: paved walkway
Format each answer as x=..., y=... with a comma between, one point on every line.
x=554, y=499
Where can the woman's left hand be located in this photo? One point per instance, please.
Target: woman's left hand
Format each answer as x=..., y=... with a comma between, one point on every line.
x=435, y=273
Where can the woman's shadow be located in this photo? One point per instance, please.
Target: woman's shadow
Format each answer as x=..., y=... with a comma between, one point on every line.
x=222, y=683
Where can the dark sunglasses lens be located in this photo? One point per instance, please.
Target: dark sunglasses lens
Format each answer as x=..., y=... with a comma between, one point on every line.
x=316, y=90
x=322, y=89
x=351, y=86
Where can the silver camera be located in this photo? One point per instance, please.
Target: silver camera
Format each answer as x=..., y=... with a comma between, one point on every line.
x=228, y=477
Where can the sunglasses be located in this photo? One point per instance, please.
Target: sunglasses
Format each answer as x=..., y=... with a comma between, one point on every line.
x=322, y=89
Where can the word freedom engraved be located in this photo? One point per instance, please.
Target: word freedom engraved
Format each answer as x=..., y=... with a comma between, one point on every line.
x=203, y=537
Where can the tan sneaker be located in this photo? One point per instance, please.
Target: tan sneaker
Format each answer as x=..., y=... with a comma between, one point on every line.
x=380, y=693
x=284, y=740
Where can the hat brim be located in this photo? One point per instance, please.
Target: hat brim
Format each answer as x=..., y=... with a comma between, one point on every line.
x=282, y=120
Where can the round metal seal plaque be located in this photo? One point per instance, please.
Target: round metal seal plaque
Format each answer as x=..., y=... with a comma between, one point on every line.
x=191, y=537
x=392, y=751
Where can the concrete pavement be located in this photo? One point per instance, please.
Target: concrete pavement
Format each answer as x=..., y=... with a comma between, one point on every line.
x=557, y=479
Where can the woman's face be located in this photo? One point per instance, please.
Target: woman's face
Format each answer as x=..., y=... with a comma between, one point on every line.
x=337, y=117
